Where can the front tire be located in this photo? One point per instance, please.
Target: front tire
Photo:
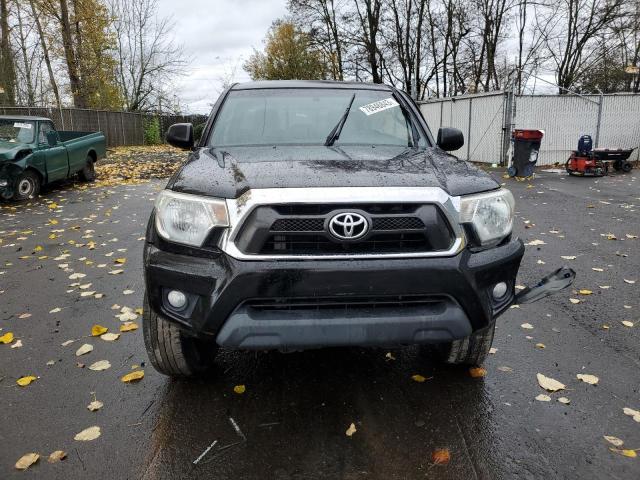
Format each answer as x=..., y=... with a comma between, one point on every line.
x=171, y=351
x=88, y=172
x=471, y=350
x=27, y=186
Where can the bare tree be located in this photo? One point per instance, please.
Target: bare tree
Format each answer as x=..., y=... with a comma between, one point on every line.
x=579, y=25
x=320, y=20
x=369, y=14
x=146, y=55
x=45, y=52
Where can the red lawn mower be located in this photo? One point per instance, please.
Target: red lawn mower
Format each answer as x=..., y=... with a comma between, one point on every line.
x=589, y=162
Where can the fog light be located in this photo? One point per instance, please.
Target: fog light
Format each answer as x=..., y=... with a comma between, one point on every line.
x=4, y=183
x=499, y=290
x=177, y=299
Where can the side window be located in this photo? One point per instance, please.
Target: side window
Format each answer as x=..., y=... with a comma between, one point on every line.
x=45, y=128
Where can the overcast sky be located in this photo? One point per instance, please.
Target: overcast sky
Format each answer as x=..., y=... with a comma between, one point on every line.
x=219, y=35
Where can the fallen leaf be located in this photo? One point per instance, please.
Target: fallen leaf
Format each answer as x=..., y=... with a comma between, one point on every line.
x=127, y=316
x=533, y=243
x=128, y=292
x=549, y=384
x=24, y=381
x=635, y=414
x=27, y=460
x=121, y=261
x=564, y=400
x=627, y=323
x=98, y=330
x=543, y=398
x=115, y=272
x=95, y=405
x=596, y=269
x=86, y=348
x=568, y=257
x=418, y=378
x=585, y=292
x=527, y=326
x=6, y=338
x=574, y=300
x=55, y=310
x=630, y=282
x=590, y=379
x=540, y=345
x=351, y=430
x=505, y=369
x=389, y=356
x=100, y=365
x=76, y=276
x=128, y=327
x=477, y=372
x=239, y=389
x=110, y=337
x=626, y=453
x=18, y=344
x=88, y=434
x=133, y=376
x=24, y=315
x=441, y=456
x=493, y=350
x=615, y=441
x=57, y=456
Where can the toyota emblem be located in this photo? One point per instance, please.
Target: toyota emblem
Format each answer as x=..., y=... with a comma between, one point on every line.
x=348, y=226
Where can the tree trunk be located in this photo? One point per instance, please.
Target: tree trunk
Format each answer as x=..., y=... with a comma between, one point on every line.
x=71, y=58
x=7, y=66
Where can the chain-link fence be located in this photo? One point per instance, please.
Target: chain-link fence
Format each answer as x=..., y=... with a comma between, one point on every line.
x=488, y=119
x=119, y=128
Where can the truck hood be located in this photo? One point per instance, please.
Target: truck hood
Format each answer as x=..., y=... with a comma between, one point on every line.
x=8, y=150
x=231, y=171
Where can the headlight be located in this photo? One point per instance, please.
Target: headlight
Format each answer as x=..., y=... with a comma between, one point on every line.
x=489, y=214
x=188, y=219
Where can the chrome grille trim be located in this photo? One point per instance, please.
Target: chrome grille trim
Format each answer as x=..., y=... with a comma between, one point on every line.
x=241, y=207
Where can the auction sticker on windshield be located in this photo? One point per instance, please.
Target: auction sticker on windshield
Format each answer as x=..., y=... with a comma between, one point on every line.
x=379, y=106
x=28, y=126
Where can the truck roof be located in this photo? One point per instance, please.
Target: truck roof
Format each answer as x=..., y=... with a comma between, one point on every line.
x=23, y=117
x=268, y=84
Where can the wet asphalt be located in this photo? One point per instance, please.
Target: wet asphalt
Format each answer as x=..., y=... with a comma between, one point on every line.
x=293, y=415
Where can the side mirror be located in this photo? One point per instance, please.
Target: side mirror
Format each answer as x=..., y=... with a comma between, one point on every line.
x=180, y=135
x=52, y=139
x=450, y=139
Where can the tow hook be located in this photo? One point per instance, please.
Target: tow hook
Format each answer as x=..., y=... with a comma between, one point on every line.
x=552, y=283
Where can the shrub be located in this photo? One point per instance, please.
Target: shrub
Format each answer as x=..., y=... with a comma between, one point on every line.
x=152, y=134
x=198, y=129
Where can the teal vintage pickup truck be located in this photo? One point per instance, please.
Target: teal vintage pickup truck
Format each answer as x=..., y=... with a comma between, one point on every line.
x=33, y=153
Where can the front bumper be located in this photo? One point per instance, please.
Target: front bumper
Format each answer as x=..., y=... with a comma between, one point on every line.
x=454, y=292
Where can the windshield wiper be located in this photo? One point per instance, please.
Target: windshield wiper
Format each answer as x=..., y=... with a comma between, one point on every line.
x=335, y=133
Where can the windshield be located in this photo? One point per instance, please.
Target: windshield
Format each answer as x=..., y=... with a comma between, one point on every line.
x=17, y=131
x=307, y=116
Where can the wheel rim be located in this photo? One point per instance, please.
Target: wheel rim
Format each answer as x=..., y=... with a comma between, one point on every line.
x=25, y=187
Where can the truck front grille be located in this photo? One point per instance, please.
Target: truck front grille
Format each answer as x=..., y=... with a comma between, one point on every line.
x=320, y=244
x=301, y=230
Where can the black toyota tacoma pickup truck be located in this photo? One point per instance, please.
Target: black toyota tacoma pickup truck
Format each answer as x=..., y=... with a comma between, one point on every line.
x=314, y=214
